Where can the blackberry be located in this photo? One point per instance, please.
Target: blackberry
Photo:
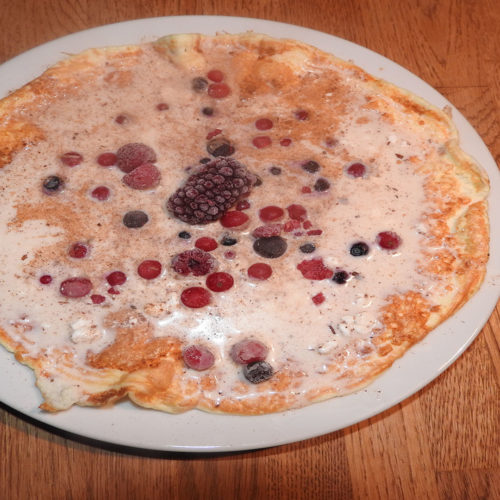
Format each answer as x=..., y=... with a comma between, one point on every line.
x=211, y=191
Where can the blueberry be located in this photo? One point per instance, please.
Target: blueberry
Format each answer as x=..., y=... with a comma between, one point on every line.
x=207, y=111
x=275, y=170
x=340, y=277
x=199, y=84
x=257, y=372
x=220, y=147
x=311, y=166
x=184, y=235
x=228, y=241
x=52, y=184
x=205, y=160
x=359, y=249
x=307, y=248
x=270, y=248
x=135, y=219
x=321, y=185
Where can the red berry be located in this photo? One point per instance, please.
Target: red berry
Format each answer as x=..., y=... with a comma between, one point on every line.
x=262, y=141
x=113, y=291
x=314, y=232
x=229, y=255
x=356, y=170
x=213, y=133
x=306, y=190
x=71, y=159
x=149, y=269
x=194, y=261
x=307, y=224
x=198, y=357
x=388, y=240
x=106, y=159
x=121, y=119
x=301, y=114
x=78, y=250
x=45, y=279
x=75, y=287
x=264, y=124
x=290, y=225
x=195, y=297
x=162, y=106
x=267, y=231
x=116, y=278
x=248, y=351
x=271, y=213
x=260, y=271
x=97, y=299
x=218, y=90
x=234, y=218
x=318, y=298
x=215, y=75
x=285, y=142
x=146, y=176
x=219, y=282
x=205, y=243
x=314, y=269
x=100, y=193
x=297, y=212
x=133, y=155
x=243, y=205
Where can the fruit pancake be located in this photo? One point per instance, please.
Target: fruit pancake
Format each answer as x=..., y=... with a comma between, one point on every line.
x=233, y=223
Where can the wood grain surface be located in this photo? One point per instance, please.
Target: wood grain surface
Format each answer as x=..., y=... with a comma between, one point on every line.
x=442, y=443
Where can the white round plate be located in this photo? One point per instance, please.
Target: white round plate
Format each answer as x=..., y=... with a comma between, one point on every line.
x=196, y=431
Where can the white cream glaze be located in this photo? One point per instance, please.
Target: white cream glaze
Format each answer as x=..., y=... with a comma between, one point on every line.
x=279, y=312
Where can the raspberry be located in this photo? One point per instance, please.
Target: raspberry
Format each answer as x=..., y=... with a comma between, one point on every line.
x=388, y=240
x=196, y=261
x=133, y=155
x=219, y=282
x=260, y=271
x=97, y=299
x=205, y=243
x=75, y=287
x=211, y=192
x=195, y=297
x=290, y=225
x=267, y=231
x=145, y=176
x=198, y=357
x=271, y=213
x=297, y=212
x=319, y=298
x=314, y=269
x=248, y=351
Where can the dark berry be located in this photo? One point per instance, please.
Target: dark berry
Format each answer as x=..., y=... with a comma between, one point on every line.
x=228, y=241
x=275, y=170
x=270, y=248
x=243, y=205
x=184, y=235
x=133, y=155
x=258, y=372
x=195, y=297
x=116, y=278
x=340, y=277
x=46, y=279
x=71, y=159
x=248, y=351
x=206, y=244
x=205, y=160
x=207, y=111
x=52, y=184
x=149, y=269
x=260, y=271
x=307, y=248
x=145, y=176
x=321, y=185
x=219, y=282
x=220, y=147
x=198, y=357
x=135, y=219
x=311, y=166
x=301, y=114
x=356, y=170
x=388, y=240
x=359, y=249
x=75, y=287
x=196, y=261
x=199, y=84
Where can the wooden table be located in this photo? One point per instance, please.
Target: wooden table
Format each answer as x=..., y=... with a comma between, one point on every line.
x=441, y=443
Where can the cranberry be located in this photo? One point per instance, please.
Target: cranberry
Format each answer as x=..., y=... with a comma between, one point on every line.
x=100, y=193
x=314, y=269
x=45, y=279
x=219, y=282
x=116, y=278
x=78, y=250
x=306, y=190
x=260, y=271
x=356, y=170
x=248, y=351
x=75, y=287
x=234, y=218
x=271, y=213
x=121, y=119
x=71, y=159
x=285, y=142
x=195, y=297
x=262, y=141
x=290, y=225
x=215, y=75
x=263, y=124
x=267, y=231
x=218, y=90
x=388, y=240
x=205, y=243
x=359, y=249
x=149, y=269
x=297, y=212
x=162, y=106
x=258, y=372
x=97, y=299
x=319, y=298
x=243, y=205
x=146, y=176
x=52, y=184
x=198, y=357
x=301, y=114
x=106, y=159
x=133, y=155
